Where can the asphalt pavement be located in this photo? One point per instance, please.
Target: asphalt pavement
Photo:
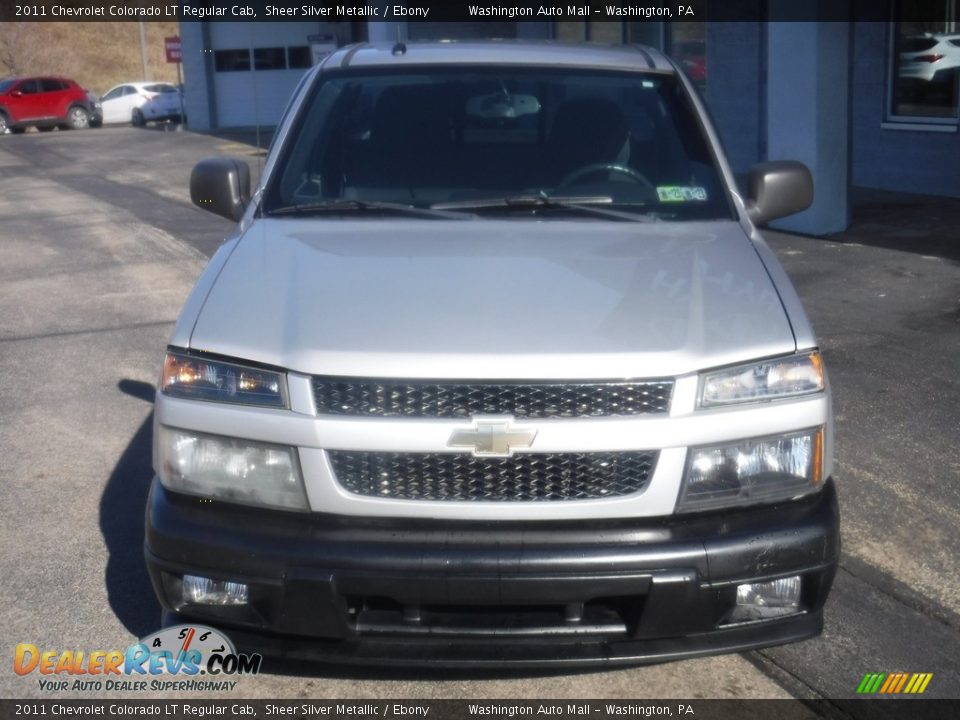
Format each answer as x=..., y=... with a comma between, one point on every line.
x=99, y=246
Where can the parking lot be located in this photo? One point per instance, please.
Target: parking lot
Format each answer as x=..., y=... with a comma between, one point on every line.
x=100, y=246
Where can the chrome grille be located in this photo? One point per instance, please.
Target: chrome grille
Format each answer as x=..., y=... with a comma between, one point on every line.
x=360, y=397
x=460, y=477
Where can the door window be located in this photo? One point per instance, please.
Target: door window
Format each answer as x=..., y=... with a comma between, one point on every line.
x=29, y=87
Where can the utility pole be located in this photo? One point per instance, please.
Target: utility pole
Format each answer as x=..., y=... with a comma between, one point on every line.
x=143, y=51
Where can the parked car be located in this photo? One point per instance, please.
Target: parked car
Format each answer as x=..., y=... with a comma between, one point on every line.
x=495, y=368
x=43, y=103
x=931, y=58
x=126, y=103
x=167, y=104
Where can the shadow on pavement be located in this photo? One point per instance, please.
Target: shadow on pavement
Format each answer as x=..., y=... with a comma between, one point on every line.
x=248, y=136
x=121, y=522
x=137, y=389
x=923, y=224
x=162, y=126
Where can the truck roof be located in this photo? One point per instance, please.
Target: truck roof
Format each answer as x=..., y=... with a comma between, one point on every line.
x=501, y=52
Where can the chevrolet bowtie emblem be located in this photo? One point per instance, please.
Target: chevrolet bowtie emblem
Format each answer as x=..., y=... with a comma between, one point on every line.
x=492, y=438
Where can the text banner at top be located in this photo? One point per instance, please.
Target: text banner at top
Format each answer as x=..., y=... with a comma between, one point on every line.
x=453, y=11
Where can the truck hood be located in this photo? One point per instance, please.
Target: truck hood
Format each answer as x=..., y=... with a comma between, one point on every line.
x=493, y=299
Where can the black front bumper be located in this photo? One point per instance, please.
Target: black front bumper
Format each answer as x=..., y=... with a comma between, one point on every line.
x=407, y=592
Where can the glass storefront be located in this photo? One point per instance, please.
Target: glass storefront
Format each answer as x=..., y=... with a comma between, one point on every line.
x=925, y=61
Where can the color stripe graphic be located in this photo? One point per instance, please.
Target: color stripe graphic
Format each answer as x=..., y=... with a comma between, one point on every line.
x=894, y=683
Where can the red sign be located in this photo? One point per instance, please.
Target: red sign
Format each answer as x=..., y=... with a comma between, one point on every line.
x=172, y=46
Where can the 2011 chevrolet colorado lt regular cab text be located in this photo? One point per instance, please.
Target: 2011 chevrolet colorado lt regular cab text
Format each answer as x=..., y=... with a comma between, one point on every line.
x=495, y=368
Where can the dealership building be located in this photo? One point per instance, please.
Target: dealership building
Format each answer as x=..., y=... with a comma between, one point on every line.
x=846, y=98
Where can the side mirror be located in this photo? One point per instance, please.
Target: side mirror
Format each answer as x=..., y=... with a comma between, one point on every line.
x=222, y=186
x=778, y=189
x=16, y=93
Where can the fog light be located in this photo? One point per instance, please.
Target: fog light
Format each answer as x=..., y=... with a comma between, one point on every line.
x=204, y=591
x=760, y=601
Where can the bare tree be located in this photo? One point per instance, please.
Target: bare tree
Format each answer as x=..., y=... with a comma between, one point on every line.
x=12, y=42
x=23, y=49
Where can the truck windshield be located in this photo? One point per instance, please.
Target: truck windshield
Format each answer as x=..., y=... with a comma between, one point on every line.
x=497, y=140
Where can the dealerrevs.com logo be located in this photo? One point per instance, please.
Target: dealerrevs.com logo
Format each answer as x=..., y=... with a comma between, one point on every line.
x=181, y=658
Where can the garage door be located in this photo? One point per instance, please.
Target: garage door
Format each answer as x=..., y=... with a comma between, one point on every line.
x=256, y=68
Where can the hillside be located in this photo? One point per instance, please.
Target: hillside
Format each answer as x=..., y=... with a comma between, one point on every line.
x=96, y=55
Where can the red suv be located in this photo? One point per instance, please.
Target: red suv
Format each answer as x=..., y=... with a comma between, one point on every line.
x=45, y=103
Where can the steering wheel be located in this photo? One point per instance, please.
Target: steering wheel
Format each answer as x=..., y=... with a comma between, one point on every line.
x=595, y=168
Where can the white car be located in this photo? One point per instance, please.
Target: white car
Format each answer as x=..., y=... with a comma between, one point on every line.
x=167, y=104
x=141, y=102
x=931, y=57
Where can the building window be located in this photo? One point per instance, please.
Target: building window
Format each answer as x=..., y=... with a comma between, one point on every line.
x=231, y=60
x=610, y=33
x=684, y=41
x=688, y=47
x=570, y=31
x=274, y=58
x=925, y=61
x=647, y=33
x=460, y=30
x=299, y=57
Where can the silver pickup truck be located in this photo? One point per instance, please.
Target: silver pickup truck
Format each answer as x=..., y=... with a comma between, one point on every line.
x=496, y=368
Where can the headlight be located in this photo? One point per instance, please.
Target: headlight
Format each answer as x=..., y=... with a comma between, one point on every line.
x=767, y=380
x=197, y=378
x=760, y=470
x=230, y=469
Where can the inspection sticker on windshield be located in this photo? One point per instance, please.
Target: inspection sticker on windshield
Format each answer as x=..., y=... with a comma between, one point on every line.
x=680, y=193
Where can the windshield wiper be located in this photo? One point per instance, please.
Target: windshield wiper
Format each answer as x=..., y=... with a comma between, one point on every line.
x=344, y=205
x=591, y=205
